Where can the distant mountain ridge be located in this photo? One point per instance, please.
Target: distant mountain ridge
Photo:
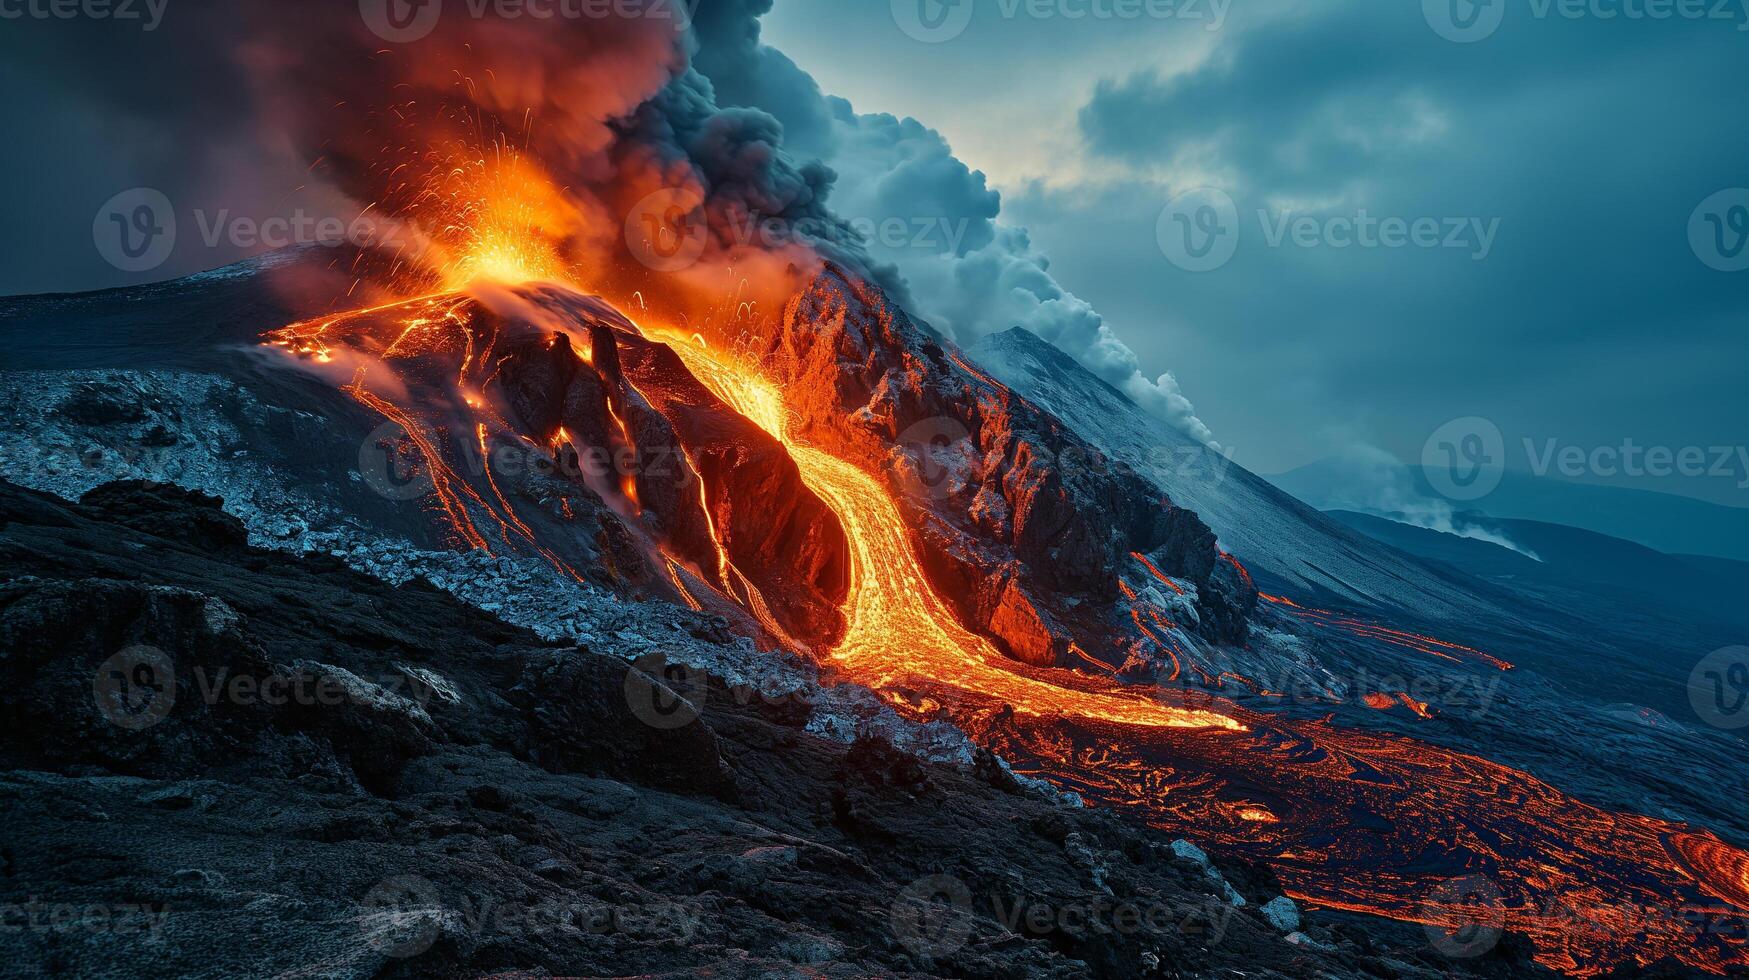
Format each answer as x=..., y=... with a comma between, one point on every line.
x=1616, y=572
x=1661, y=521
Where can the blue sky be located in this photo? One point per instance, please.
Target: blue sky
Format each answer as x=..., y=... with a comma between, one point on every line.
x=1586, y=142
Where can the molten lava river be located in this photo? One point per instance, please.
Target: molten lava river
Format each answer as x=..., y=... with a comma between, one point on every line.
x=1354, y=820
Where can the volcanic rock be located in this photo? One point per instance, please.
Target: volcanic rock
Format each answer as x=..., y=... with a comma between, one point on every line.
x=990, y=481
x=462, y=798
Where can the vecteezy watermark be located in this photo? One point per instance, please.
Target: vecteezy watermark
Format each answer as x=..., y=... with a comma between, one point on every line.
x=1718, y=230
x=136, y=688
x=1365, y=231
x=147, y=13
x=940, y=21
x=1473, y=694
x=1199, y=231
x=111, y=918
x=1718, y=688
x=405, y=915
x=1469, y=21
x=312, y=688
x=1465, y=459
x=135, y=230
x=939, y=453
x=391, y=464
x=1465, y=917
x=298, y=228
x=1631, y=459
x=942, y=460
x=398, y=464
x=1464, y=21
x=1590, y=921
x=405, y=21
x=664, y=695
x=934, y=916
x=668, y=232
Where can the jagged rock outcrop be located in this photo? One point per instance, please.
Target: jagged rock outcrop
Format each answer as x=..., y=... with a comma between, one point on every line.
x=775, y=531
x=694, y=472
x=649, y=466
x=1021, y=523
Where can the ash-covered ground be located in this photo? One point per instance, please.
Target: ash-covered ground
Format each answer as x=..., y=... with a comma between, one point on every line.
x=336, y=776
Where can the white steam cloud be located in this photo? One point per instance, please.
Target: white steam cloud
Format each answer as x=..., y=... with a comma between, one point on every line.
x=1376, y=482
x=929, y=223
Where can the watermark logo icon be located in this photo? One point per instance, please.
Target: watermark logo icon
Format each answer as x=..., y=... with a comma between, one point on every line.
x=666, y=232
x=1465, y=458
x=401, y=21
x=1464, y=21
x=391, y=466
x=136, y=688
x=1718, y=688
x=664, y=695
x=135, y=230
x=933, y=21
x=1465, y=917
x=1199, y=230
x=402, y=916
x=932, y=916
x=1718, y=231
x=934, y=445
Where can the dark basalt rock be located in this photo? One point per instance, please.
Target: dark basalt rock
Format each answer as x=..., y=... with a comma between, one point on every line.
x=98, y=403
x=536, y=378
x=166, y=510
x=429, y=792
x=776, y=531
x=661, y=441
x=573, y=698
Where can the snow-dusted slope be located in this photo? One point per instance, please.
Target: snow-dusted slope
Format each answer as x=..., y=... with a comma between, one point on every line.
x=1287, y=546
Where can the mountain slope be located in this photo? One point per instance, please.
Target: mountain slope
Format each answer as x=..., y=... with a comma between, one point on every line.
x=1619, y=580
x=1287, y=546
x=444, y=795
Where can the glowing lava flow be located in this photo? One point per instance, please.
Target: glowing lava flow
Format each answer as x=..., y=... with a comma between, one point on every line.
x=896, y=624
x=1356, y=820
x=1444, y=650
x=1352, y=819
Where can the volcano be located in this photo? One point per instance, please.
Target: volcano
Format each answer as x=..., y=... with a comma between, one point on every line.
x=969, y=555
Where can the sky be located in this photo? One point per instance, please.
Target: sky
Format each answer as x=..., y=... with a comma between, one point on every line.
x=1585, y=143
x=1574, y=171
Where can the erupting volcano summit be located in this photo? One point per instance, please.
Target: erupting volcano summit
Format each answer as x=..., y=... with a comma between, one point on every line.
x=612, y=560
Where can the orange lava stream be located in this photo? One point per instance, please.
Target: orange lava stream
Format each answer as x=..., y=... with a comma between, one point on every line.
x=1443, y=649
x=896, y=624
x=1351, y=819
x=408, y=330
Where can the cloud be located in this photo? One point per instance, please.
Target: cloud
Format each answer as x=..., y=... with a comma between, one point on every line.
x=1372, y=481
x=924, y=213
